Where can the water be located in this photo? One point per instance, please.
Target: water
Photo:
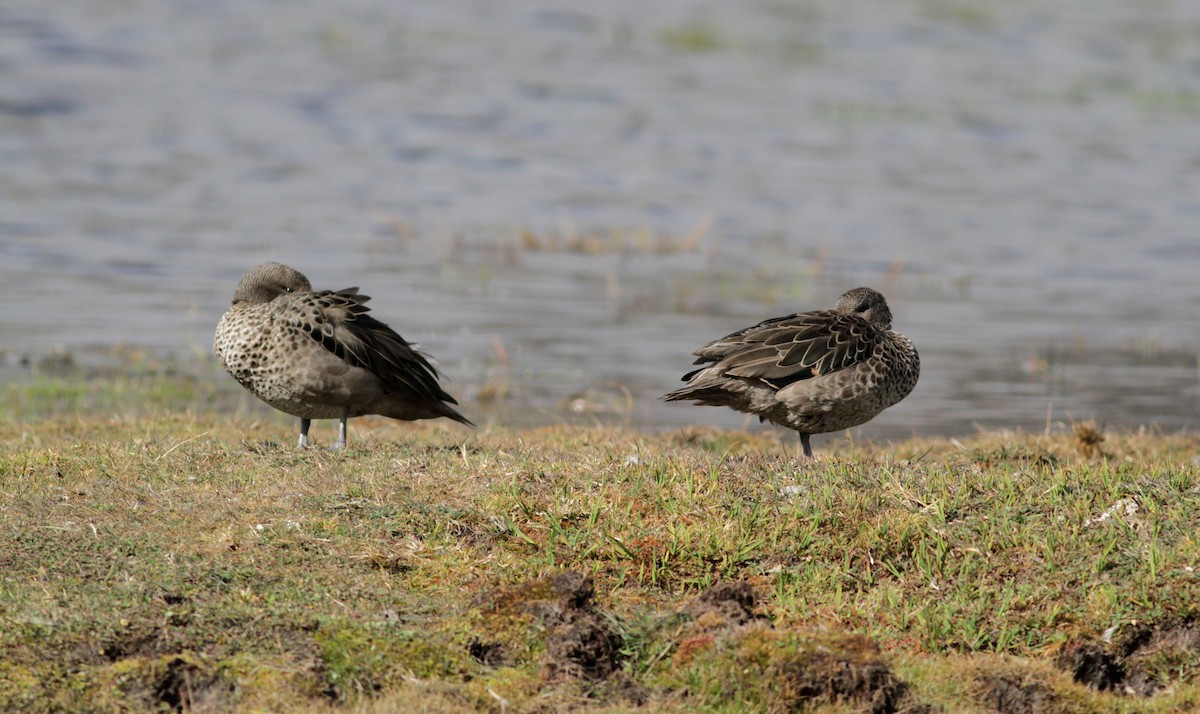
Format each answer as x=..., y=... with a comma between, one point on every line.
x=560, y=203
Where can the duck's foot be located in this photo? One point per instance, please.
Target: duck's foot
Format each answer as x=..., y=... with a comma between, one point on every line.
x=341, y=442
x=808, y=455
x=302, y=442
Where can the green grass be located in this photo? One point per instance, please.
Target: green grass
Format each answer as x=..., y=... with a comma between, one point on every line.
x=162, y=557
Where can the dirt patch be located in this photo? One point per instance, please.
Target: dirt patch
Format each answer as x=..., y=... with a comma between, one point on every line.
x=579, y=642
x=548, y=598
x=623, y=687
x=185, y=685
x=178, y=683
x=727, y=639
x=144, y=643
x=726, y=603
x=490, y=654
x=855, y=673
x=1010, y=694
x=1142, y=659
x=719, y=639
x=1092, y=665
x=583, y=646
x=574, y=591
x=724, y=606
x=579, y=639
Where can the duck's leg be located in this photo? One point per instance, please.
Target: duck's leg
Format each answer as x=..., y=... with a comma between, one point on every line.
x=303, y=442
x=807, y=447
x=341, y=442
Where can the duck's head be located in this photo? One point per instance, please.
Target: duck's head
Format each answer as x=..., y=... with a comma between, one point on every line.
x=264, y=283
x=867, y=304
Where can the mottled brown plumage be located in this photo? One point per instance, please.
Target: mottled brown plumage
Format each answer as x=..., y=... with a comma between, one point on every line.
x=319, y=355
x=814, y=372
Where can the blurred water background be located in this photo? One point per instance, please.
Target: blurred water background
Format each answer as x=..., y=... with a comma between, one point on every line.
x=561, y=200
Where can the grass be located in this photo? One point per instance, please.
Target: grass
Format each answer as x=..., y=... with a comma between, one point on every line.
x=154, y=557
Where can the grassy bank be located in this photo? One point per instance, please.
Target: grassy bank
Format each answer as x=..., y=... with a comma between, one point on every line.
x=158, y=553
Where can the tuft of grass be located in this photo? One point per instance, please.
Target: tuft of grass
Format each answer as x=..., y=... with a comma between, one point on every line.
x=640, y=241
x=965, y=13
x=161, y=558
x=693, y=37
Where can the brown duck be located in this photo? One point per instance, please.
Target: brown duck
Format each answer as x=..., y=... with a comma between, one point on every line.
x=319, y=355
x=814, y=372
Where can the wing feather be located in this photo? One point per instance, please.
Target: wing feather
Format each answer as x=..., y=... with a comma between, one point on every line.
x=788, y=349
x=338, y=320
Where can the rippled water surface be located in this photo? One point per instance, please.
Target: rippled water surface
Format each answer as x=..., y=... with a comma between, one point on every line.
x=561, y=201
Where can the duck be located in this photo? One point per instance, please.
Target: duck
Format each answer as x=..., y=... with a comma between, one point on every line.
x=814, y=372
x=321, y=355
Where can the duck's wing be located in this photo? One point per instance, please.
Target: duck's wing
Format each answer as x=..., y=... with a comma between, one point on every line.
x=718, y=349
x=338, y=321
x=787, y=349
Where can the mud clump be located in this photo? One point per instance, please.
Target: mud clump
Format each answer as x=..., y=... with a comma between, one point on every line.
x=855, y=673
x=1091, y=665
x=726, y=603
x=1143, y=658
x=583, y=646
x=572, y=591
x=178, y=683
x=580, y=642
x=719, y=643
x=186, y=686
x=490, y=654
x=1088, y=438
x=728, y=642
x=1011, y=695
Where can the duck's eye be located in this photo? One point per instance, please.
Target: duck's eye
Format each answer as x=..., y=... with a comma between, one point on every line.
x=863, y=307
